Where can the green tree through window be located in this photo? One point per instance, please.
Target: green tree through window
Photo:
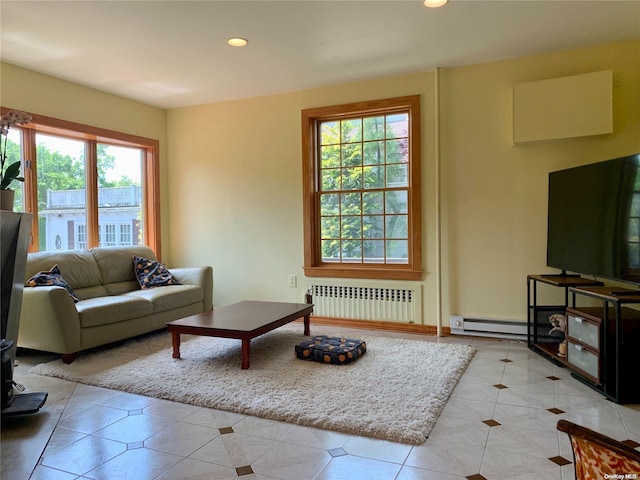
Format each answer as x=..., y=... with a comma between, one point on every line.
x=362, y=189
x=366, y=157
x=84, y=183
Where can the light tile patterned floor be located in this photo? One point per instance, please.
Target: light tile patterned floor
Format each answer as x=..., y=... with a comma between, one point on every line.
x=499, y=423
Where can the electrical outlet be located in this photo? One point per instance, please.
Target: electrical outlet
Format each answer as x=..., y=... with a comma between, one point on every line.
x=293, y=281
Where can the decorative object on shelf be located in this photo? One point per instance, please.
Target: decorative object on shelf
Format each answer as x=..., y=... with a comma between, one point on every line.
x=9, y=173
x=562, y=349
x=559, y=323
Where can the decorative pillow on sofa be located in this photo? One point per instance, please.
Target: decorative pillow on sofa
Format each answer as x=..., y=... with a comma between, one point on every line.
x=151, y=273
x=51, y=278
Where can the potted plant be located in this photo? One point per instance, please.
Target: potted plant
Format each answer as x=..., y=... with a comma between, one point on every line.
x=9, y=172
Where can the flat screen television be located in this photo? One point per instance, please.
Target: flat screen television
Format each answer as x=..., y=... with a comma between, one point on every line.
x=594, y=219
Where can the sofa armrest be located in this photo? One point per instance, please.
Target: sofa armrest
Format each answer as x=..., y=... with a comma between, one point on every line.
x=201, y=276
x=49, y=320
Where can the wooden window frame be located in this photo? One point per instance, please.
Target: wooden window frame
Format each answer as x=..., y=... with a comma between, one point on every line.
x=313, y=264
x=92, y=136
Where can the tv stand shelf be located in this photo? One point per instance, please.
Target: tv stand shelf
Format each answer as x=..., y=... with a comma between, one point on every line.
x=600, y=340
x=610, y=293
x=539, y=336
x=565, y=280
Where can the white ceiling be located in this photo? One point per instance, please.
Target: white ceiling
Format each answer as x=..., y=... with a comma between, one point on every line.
x=174, y=53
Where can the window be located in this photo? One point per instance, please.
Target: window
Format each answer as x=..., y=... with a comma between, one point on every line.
x=119, y=191
x=109, y=235
x=86, y=185
x=81, y=237
x=125, y=234
x=61, y=189
x=361, y=171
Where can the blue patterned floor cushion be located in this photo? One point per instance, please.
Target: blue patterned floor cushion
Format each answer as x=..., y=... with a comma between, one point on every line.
x=334, y=350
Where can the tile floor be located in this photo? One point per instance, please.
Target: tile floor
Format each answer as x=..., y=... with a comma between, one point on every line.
x=499, y=423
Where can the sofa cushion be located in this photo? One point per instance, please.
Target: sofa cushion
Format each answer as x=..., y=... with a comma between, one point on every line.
x=115, y=262
x=118, y=288
x=152, y=273
x=171, y=297
x=91, y=292
x=51, y=278
x=78, y=267
x=111, y=309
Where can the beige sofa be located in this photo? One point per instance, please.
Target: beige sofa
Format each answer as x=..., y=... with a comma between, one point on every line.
x=111, y=305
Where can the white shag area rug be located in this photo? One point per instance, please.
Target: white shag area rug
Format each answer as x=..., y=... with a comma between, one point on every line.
x=395, y=391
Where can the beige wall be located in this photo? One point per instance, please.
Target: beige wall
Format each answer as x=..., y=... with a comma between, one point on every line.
x=496, y=192
x=236, y=185
x=231, y=174
x=34, y=92
x=236, y=196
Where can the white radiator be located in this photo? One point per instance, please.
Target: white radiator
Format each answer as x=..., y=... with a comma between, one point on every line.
x=484, y=327
x=400, y=303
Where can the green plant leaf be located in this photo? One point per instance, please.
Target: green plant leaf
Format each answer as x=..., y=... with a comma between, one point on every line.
x=11, y=173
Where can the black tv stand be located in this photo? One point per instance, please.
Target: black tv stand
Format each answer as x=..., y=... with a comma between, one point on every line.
x=539, y=336
x=605, y=358
x=560, y=275
x=618, y=337
x=624, y=293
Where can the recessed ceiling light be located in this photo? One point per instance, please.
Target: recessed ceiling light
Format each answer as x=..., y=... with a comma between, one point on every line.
x=434, y=3
x=237, y=42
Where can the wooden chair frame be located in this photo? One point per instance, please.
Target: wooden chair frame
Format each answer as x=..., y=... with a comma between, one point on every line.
x=600, y=440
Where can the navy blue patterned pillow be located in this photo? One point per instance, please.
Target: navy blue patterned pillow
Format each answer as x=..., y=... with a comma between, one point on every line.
x=151, y=273
x=51, y=278
x=336, y=350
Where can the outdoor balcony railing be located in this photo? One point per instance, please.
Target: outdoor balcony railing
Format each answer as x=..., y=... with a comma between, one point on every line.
x=107, y=197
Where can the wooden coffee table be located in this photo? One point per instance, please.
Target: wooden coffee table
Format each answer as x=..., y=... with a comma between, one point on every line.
x=244, y=321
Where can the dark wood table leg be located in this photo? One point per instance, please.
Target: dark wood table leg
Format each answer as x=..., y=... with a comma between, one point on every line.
x=175, y=340
x=306, y=325
x=245, y=353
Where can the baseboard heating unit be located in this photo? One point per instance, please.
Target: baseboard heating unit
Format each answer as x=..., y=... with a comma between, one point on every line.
x=484, y=327
x=397, y=303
